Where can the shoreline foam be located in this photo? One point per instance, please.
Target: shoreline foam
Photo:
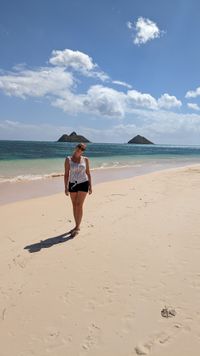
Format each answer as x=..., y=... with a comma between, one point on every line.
x=22, y=190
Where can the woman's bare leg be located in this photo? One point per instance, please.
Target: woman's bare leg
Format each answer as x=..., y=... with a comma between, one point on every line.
x=79, y=208
x=73, y=197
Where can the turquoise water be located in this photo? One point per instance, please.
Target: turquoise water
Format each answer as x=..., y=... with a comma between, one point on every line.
x=30, y=160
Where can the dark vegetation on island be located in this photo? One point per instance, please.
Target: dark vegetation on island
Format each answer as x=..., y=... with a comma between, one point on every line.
x=140, y=140
x=73, y=137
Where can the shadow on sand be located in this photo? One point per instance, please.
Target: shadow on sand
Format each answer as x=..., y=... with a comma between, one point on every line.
x=49, y=242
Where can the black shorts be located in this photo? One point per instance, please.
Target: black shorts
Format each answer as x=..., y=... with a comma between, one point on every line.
x=80, y=187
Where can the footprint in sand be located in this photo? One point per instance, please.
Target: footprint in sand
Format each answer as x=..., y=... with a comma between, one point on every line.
x=10, y=238
x=3, y=314
x=90, y=225
x=20, y=261
x=54, y=339
x=158, y=340
x=92, y=339
x=143, y=349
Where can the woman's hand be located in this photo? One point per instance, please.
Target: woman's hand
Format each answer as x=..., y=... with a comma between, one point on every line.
x=66, y=191
x=90, y=190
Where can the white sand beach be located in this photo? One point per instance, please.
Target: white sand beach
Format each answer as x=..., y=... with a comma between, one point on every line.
x=102, y=293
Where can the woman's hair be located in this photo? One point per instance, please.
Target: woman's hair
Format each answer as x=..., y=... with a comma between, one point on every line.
x=81, y=146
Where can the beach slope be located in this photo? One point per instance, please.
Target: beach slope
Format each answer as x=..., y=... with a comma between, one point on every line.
x=102, y=293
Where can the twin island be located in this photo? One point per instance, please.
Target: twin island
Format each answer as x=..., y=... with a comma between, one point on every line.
x=73, y=137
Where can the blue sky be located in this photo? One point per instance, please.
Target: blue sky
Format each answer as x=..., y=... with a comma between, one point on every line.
x=106, y=69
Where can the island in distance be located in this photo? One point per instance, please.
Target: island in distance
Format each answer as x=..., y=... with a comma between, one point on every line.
x=73, y=137
x=140, y=140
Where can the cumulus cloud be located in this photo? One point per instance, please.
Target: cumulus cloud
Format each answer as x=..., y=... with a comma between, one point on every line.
x=98, y=100
x=108, y=102
x=74, y=59
x=144, y=30
x=78, y=61
x=193, y=93
x=105, y=101
x=193, y=106
x=143, y=100
x=59, y=84
x=167, y=101
x=36, y=83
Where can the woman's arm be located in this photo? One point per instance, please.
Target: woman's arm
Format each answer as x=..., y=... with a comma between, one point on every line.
x=88, y=174
x=66, y=175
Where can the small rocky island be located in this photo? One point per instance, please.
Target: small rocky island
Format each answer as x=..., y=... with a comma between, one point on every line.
x=140, y=140
x=73, y=137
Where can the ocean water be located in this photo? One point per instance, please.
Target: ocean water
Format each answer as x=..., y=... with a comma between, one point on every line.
x=33, y=160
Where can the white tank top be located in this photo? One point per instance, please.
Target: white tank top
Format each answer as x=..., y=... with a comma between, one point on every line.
x=77, y=173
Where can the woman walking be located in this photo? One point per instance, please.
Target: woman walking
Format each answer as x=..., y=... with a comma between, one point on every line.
x=77, y=181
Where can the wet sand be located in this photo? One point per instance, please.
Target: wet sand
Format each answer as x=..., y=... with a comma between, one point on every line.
x=21, y=190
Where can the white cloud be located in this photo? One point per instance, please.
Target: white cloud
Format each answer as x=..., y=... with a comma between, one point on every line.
x=158, y=126
x=72, y=59
x=98, y=100
x=36, y=83
x=193, y=93
x=78, y=61
x=70, y=103
x=105, y=101
x=161, y=126
x=193, y=106
x=109, y=102
x=144, y=30
x=167, y=101
x=143, y=100
x=129, y=25
x=60, y=87
x=123, y=84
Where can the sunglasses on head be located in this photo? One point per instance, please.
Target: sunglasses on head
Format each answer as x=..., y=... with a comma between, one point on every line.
x=81, y=148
